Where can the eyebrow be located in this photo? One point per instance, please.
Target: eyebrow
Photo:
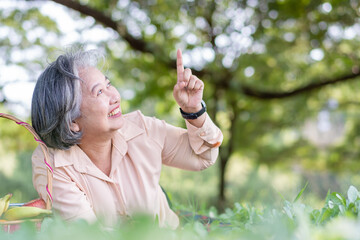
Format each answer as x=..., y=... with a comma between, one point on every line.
x=94, y=87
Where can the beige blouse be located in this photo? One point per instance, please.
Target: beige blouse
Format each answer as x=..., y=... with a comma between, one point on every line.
x=139, y=148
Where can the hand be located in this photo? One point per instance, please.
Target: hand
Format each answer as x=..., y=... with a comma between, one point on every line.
x=188, y=91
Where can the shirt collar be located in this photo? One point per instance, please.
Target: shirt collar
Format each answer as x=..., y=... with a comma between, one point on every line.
x=75, y=156
x=130, y=129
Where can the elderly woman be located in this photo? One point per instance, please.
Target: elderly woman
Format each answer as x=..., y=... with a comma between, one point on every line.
x=107, y=164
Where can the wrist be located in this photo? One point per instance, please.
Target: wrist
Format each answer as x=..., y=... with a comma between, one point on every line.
x=192, y=109
x=193, y=113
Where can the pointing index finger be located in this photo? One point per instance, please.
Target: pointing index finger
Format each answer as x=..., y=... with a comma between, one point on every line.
x=179, y=66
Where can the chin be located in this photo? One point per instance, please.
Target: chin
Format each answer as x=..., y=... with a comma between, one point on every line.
x=119, y=123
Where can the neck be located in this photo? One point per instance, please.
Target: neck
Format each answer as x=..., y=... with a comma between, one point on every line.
x=99, y=153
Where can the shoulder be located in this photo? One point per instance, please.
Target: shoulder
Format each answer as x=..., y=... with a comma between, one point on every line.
x=38, y=156
x=142, y=121
x=153, y=127
x=135, y=116
x=56, y=157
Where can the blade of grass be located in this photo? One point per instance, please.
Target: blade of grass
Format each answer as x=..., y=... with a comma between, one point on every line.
x=300, y=193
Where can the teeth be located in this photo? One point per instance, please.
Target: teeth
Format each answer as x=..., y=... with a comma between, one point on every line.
x=115, y=111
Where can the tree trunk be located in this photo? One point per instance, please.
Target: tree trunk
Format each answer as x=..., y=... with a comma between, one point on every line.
x=225, y=153
x=221, y=198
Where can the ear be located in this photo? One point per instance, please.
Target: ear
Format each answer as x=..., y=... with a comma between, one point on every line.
x=75, y=127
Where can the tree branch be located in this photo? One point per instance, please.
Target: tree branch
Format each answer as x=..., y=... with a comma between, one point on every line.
x=137, y=44
x=143, y=46
x=209, y=19
x=263, y=94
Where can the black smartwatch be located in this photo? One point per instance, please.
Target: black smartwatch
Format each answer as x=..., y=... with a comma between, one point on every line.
x=194, y=115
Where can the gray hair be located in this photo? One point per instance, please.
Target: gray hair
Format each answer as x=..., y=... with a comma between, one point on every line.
x=57, y=98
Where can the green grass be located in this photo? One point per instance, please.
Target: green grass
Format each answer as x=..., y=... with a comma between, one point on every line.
x=339, y=218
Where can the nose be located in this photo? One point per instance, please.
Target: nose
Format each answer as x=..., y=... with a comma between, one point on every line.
x=117, y=100
x=115, y=97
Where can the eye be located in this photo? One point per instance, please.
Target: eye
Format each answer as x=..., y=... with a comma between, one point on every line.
x=99, y=92
x=108, y=84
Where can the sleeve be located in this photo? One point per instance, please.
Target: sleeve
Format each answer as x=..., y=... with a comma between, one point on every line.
x=68, y=199
x=193, y=148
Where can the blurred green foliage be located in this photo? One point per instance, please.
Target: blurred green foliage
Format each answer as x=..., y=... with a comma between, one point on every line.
x=337, y=219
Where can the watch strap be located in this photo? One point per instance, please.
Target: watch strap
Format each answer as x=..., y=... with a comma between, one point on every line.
x=196, y=114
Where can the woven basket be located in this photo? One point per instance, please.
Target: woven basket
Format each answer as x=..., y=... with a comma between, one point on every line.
x=10, y=226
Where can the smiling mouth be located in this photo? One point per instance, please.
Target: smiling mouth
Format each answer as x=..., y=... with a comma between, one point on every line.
x=114, y=112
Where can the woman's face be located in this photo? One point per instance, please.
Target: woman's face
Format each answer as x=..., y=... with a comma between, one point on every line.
x=100, y=108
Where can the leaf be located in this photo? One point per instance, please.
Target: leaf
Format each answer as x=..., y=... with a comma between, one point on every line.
x=288, y=208
x=314, y=215
x=243, y=215
x=342, y=209
x=336, y=199
x=351, y=207
x=200, y=229
x=352, y=194
x=288, y=212
x=301, y=192
x=325, y=215
x=213, y=212
x=238, y=207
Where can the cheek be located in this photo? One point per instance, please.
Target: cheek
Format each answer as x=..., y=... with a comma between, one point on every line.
x=94, y=110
